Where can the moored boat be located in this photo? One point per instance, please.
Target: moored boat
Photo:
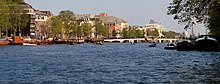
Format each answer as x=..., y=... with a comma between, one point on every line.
x=207, y=43
x=185, y=45
x=60, y=41
x=170, y=46
x=153, y=45
x=29, y=44
x=16, y=40
x=3, y=42
x=98, y=43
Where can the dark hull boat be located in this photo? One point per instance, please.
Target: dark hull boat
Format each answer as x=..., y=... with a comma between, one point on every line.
x=207, y=43
x=153, y=45
x=185, y=46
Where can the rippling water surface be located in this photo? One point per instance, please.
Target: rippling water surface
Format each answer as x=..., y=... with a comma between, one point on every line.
x=106, y=64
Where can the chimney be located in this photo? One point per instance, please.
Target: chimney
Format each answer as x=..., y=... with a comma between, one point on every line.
x=103, y=14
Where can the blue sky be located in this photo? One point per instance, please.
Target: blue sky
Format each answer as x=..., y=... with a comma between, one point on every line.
x=136, y=12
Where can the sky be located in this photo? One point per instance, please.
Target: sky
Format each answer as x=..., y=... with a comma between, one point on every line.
x=136, y=12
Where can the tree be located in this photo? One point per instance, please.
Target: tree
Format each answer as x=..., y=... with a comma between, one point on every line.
x=53, y=26
x=16, y=1
x=114, y=33
x=191, y=12
x=101, y=29
x=79, y=31
x=69, y=22
x=138, y=33
x=125, y=33
x=18, y=17
x=86, y=29
x=132, y=32
x=170, y=34
x=4, y=14
x=152, y=32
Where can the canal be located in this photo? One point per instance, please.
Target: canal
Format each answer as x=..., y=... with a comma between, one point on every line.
x=106, y=64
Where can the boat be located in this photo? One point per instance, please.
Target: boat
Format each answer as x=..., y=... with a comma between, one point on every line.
x=29, y=44
x=98, y=43
x=16, y=40
x=60, y=41
x=185, y=45
x=153, y=45
x=170, y=46
x=3, y=42
x=132, y=43
x=207, y=43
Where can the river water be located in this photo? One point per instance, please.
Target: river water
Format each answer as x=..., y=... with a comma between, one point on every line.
x=106, y=64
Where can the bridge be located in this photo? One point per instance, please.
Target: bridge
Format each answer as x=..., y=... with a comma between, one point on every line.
x=125, y=40
x=162, y=40
x=158, y=40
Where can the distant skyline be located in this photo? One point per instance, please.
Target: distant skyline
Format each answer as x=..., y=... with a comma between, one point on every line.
x=136, y=12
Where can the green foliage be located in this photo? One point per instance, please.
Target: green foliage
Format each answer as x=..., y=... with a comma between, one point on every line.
x=16, y=1
x=79, y=31
x=132, y=33
x=152, y=33
x=214, y=20
x=18, y=17
x=125, y=33
x=191, y=12
x=139, y=33
x=13, y=15
x=87, y=29
x=54, y=26
x=4, y=16
x=101, y=29
x=69, y=22
x=114, y=33
x=170, y=34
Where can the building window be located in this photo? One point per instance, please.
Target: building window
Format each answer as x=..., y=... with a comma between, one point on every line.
x=32, y=25
x=32, y=20
x=32, y=30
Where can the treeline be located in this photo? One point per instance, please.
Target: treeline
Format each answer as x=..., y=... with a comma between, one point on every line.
x=65, y=25
x=12, y=16
x=131, y=32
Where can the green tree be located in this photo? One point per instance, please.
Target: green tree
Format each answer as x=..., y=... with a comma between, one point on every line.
x=114, y=33
x=4, y=17
x=170, y=34
x=138, y=33
x=87, y=29
x=125, y=33
x=191, y=12
x=79, y=31
x=18, y=17
x=54, y=26
x=132, y=33
x=101, y=29
x=151, y=32
x=69, y=22
x=16, y=1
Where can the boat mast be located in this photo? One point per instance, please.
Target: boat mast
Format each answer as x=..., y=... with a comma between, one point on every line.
x=193, y=35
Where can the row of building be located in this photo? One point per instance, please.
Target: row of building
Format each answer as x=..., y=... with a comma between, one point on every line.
x=39, y=18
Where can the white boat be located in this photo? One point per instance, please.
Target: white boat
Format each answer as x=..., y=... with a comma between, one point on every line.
x=170, y=46
x=29, y=44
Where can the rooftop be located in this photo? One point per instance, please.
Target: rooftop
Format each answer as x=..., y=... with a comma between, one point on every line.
x=111, y=19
